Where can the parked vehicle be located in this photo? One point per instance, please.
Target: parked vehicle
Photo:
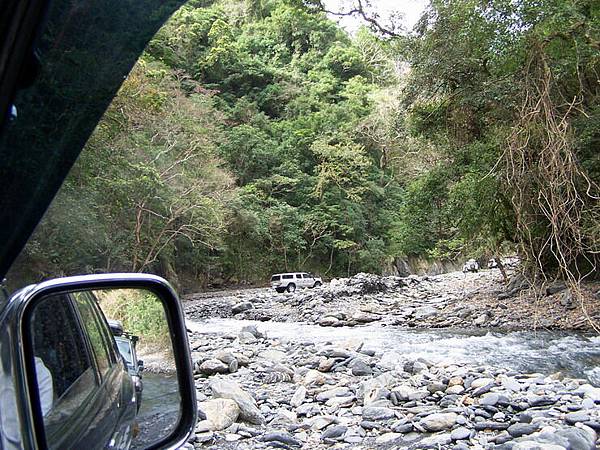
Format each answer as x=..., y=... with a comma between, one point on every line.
x=290, y=281
x=471, y=266
x=126, y=344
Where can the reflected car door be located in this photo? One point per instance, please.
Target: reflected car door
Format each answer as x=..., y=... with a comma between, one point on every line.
x=61, y=345
x=117, y=406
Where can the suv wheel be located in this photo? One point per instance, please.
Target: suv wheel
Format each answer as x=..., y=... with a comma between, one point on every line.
x=291, y=287
x=317, y=284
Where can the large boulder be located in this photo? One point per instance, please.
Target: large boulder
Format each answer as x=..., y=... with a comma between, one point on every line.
x=241, y=307
x=212, y=367
x=220, y=413
x=228, y=389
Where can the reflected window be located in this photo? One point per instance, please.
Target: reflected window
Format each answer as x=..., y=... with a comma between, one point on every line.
x=64, y=371
x=99, y=341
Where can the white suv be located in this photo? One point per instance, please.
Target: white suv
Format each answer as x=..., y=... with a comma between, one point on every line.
x=290, y=281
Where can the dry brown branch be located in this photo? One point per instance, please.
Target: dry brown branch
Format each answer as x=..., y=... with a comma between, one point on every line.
x=548, y=185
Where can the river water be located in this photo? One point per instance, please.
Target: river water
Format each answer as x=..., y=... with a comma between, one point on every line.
x=159, y=411
x=545, y=352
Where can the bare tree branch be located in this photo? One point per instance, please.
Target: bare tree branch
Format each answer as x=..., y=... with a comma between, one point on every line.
x=359, y=10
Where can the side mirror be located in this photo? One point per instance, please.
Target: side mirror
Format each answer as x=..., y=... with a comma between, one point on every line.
x=70, y=385
x=140, y=365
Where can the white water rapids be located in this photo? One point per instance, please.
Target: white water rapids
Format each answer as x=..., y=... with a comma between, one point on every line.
x=544, y=352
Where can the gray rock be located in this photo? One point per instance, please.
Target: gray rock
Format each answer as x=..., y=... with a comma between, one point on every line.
x=405, y=393
x=204, y=437
x=247, y=338
x=341, y=402
x=418, y=367
x=403, y=428
x=436, y=387
x=460, y=433
x=335, y=432
x=370, y=425
x=461, y=446
x=438, y=421
x=220, y=413
x=241, y=307
x=253, y=330
x=388, y=438
x=587, y=403
x=360, y=368
x=282, y=437
x=436, y=441
x=542, y=401
x=555, y=287
x=228, y=389
x=589, y=391
x=525, y=418
x=533, y=445
x=298, y=397
x=480, y=320
x=481, y=382
x=496, y=426
x=579, y=438
x=566, y=300
x=522, y=429
x=575, y=417
x=335, y=392
x=425, y=312
x=314, y=378
x=329, y=321
x=378, y=413
x=308, y=410
x=483, y=389
x=455, y=390
x=212, y=367
x=489, y=399
x=326, y=364
x=320, y=422
x=375, y=395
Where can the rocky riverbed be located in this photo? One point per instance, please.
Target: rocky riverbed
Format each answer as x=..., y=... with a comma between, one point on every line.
x=454, y=299
x=261, y=392
x=332, y=373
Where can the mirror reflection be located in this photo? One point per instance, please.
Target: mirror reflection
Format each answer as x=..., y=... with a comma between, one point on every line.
x=105, y=369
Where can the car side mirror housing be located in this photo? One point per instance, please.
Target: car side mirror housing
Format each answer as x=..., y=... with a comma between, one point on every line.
x=60, y=362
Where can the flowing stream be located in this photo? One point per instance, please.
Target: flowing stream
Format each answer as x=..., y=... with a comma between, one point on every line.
x=545, y=352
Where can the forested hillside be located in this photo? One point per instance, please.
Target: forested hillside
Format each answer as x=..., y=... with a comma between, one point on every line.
x=257, y=136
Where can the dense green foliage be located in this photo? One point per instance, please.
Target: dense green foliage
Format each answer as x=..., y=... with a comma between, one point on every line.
x=505, y=91
x=257, y=137
x=140, y=313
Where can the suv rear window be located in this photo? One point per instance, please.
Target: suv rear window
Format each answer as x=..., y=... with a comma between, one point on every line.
x=276, y=278
x=287, y=277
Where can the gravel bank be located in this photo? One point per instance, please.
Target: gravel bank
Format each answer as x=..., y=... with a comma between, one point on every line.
x=454, y=300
